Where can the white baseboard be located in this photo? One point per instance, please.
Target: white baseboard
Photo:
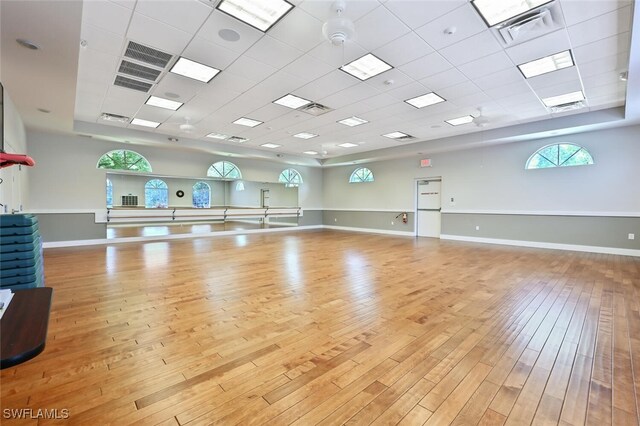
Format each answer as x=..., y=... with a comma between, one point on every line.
x=536, y=244
x=103, y=241
x=371, y=230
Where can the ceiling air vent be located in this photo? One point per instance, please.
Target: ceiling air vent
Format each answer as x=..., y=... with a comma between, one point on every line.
x=147, y=55
x=130, y=83
x=139, y=71
x=529, y=25
x=405, y=138
x=237, y=139
x=315, y=109
x=114, y=117
x=567, y=107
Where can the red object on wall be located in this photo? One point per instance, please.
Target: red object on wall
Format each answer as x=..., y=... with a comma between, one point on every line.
x=7, y=160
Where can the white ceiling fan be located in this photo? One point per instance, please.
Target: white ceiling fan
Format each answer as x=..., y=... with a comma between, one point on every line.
x=480, y=120
x=338, y=29
x=187, y=127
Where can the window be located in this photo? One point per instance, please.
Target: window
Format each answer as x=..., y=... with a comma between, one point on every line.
x=124, y=160
x=361, y=175
x=224, y=169
x=291, y=178
x=559, y=155
x=156, y=194
x=109, y=194
x=201, y=195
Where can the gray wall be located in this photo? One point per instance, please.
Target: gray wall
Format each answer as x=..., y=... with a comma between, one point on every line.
x=578, y=230
x=14, y=190
x=387, y=221
x=70, y=227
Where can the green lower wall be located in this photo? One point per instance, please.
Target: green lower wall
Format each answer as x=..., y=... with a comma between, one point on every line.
x=579, y=230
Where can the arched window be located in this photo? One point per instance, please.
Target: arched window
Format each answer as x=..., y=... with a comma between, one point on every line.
x=201, y=195
x=156, y=194
x=290, y=177
x=224, y=169
x=559, y=155
x=361, y=175
x=109, y=194
x=123, y=159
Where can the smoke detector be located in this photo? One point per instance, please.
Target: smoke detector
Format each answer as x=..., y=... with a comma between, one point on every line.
x=338, y=29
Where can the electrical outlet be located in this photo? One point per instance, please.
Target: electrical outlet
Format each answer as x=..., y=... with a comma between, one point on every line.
x=632, y=236
x=477, y=228
x=392, y=222
x=335, y=219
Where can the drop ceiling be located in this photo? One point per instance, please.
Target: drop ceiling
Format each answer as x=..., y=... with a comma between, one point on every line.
x=444, y=47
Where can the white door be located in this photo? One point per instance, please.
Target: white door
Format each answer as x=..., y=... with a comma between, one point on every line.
x=428, y=214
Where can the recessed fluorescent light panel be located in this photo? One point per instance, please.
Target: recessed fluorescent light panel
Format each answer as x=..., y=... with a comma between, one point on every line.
x=366, y=67
x=353, y=121
x=311, y=152
x=260, y=14
x=243, y=121
x=194, y=70
x=425, y=100
x=547, y=64
x=270, y=145
x=144, y=123
x=163, y=103
x=304, y=135
x=347, y=145
x=494, y=12
x=237, y=139
x=396, y=135
x=217, y=136
x=567, y=98
x=460, y=120
x=291, y=101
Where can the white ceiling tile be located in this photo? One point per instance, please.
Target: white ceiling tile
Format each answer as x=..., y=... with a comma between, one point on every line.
x=92, y=87
x=403, y=49
x=537, y=48
x=395, y=76
x=274, y=87
x=408, y=91
x=552, y=78
x=205, y=52
x=464, y=19
x=579, y=11
x=269, y=112
x=185, y=87
x=231, y=82
x=349, y=96
x=487, y=65
x=474, y=100
x=273, y=52
x=298, y=29
x=308, y=68
x=88, y=104
x=602, y=26
x=619, y=62
x=508, y=89
x=500, y=78
x=605, y=90
x=458, y=91
x=369, y=34
x=375, y=102
x=417, y=13
x=250, y=69
x=559, y=89
x=158, y=35
x=97, y=66
x=605, y=47
x=426, y=66
x=154, y=113
x=216, y=97
x=102, y=40
x=218, y=21
x=331, y=83
x=123, y=102
x=106, y=15
x=472, y=48
x=186, y=15
x=444, y=79
x=336, y=56
x=610, y=77
x=323, y=9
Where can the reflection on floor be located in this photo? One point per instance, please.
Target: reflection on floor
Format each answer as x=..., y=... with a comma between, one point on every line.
x=121, y=231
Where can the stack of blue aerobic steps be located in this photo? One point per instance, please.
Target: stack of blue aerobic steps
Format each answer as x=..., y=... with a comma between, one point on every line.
x=20, y=252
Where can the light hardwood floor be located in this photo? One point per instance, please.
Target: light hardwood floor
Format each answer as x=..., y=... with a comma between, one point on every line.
x=323, y=327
